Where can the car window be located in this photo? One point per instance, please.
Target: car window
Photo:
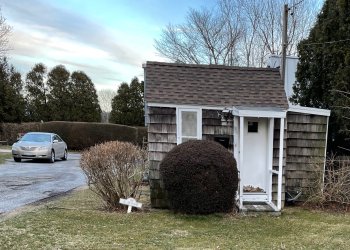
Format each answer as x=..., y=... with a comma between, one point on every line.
x=36, y=138
x=56, y=137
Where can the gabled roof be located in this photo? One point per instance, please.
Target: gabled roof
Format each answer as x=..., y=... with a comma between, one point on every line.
x=213, y=85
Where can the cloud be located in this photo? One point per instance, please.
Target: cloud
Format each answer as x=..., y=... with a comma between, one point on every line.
x=43, y=32
x=43, y=17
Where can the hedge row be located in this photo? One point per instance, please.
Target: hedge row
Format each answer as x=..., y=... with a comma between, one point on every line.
x=78, y=135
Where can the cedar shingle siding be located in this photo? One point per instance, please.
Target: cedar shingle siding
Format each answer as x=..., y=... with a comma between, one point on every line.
x=212, y=127
x=305, y=149
x=161, y=139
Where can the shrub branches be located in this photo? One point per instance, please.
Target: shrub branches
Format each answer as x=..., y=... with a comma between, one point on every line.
x=114, y=170
x=333, y=185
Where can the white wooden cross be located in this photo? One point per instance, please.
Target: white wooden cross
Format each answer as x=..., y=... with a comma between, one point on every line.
x=130, y=202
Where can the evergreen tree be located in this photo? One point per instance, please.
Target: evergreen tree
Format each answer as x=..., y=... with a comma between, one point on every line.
x=86, y=107
x=11, y=99
x=128, y=104
x=37, y=94
x=16, y=107
x=59, y=97
x=324, y=68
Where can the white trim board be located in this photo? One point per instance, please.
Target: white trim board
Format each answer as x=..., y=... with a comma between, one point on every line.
x=170, y=105
x=307, y=110
x=259, y=113
x=251, y=112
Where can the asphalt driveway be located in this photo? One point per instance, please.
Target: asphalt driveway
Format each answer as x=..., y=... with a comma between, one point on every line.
x=30, y=181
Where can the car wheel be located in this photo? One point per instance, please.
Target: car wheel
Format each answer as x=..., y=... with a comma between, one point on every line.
x=65, y=155
x=52, y=159
x=17, y=159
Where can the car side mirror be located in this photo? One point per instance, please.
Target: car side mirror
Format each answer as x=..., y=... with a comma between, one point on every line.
x=55, y=141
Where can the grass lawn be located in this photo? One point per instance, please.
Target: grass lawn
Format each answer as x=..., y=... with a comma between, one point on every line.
x=77, y=222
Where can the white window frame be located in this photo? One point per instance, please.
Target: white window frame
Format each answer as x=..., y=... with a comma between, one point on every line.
x=179, y=123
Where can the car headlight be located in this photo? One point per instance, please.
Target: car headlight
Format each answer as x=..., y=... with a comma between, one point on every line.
x=43, y=148
x=15, y=147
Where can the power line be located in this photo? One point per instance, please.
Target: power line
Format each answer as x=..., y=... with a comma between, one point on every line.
x=330, y=42
x=298, y=3
x=293, y=6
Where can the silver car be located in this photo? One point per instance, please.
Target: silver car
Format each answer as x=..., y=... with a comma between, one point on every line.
x=38, y=145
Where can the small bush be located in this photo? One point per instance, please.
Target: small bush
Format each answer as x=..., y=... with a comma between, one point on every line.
x=114, y=170
x=200, y=177
x=331, y=186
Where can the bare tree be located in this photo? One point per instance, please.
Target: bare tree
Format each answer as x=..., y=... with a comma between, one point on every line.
x=208, y=36
x=269, y=26
x=249, y=45
x=237, y=32
x=105, y=97
x=5, y=30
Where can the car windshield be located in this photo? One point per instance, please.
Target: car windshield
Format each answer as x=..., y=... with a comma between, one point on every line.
x=36, y=138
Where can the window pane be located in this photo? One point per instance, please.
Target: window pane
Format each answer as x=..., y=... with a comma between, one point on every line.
x=189, y=123
x=252, y=127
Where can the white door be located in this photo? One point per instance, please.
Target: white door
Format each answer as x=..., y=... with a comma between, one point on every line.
x=254, y=172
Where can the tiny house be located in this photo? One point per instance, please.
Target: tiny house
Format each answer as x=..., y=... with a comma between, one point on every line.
x=276, y=145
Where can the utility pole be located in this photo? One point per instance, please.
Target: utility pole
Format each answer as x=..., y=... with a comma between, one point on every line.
x=284, y=43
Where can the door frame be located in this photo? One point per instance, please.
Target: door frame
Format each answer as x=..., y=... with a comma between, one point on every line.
x=267, y=160
x=240, y=114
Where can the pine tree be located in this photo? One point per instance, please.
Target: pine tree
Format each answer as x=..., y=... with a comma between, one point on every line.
x=324, y=68
x=59, y=97
x=85, y=101
x=128, y=105
x=11, y=99
x=37, y=94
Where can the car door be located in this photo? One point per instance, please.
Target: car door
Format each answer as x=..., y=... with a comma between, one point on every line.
x=62, y=145
x=57, y=146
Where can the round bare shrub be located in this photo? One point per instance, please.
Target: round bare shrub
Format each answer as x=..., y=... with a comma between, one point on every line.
x=114, y=170
x=200, y=177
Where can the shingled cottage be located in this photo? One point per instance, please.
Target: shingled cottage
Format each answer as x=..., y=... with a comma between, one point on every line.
x=276, y=145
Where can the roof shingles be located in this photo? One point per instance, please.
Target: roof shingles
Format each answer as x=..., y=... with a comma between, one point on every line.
x=213, y=85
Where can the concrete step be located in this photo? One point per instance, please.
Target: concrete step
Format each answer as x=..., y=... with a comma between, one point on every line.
x=255, y=208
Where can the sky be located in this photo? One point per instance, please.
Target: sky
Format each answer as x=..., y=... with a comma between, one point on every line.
x=107, y=39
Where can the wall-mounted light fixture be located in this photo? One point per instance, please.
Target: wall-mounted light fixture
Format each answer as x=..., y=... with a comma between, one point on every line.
x=226, y=116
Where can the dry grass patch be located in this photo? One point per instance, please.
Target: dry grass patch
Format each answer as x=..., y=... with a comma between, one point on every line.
x=4, y=156
x=78, y=222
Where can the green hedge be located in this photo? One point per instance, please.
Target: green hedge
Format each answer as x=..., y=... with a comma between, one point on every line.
x=142, y=135
x=78, y=135
x=9, y=131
